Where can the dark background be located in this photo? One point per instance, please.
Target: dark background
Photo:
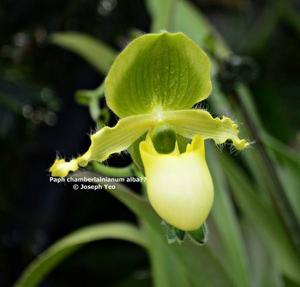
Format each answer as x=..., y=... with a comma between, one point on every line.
x=39, y=116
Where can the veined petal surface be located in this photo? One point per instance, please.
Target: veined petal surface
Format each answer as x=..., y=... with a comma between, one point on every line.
x=106, y=142
x=189, y=123
x=158, y=72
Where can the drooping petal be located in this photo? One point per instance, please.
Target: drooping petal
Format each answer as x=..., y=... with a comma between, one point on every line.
x=179, y=186
x=106, y=142
x=189, y=123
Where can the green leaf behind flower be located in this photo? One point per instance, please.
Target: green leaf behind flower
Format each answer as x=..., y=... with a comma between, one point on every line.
x=63, y=248
x=95, y=52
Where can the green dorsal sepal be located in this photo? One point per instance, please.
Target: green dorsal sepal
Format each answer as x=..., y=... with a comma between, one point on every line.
x=158, y=72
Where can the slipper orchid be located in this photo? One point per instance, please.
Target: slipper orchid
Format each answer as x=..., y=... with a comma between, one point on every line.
x=156, y=81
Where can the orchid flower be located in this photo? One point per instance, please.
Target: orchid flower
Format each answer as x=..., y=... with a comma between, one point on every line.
x=155, y=81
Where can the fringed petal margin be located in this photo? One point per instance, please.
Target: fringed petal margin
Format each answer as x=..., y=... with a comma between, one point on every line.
x=189, y=123
x=106, y=142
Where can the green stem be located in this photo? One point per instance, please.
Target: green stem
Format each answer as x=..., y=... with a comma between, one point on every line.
x=113, y=171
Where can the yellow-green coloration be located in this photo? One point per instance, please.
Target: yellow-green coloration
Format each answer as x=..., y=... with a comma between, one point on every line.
x=187, y=123
x=156, y=81
x=106, y=142
x=179, y=186
x=158, y=72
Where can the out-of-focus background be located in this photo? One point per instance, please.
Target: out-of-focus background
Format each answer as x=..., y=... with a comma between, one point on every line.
x=39, y=116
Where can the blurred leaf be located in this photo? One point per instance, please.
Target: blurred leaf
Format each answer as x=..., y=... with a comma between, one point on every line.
x=282, y=151
x=289, y=170
x=265, y=219
x=92, y=50
x=272, y=178
x=289, y=174
x=235, y=257
x=161, y=14
x=261, y=30
x=265, y=270
x=198, y=28
x=288, y=160
x=63, y=248
x=167, y=268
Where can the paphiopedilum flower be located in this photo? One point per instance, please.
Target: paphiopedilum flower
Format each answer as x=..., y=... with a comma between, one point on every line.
x=156, y=80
